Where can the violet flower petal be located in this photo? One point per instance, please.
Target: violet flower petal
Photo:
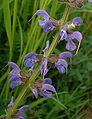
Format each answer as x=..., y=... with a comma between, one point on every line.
x=48, y=87
x=43, y=14
x=43, y=67
x=70, y=45
x=77, y=21
x=14, y=75
x=90, y=1
x=11, y=102
x=63, y=33
x=14, y=66
x=61, y=65
x=30, y=59
x=77, y=35
x=46, y=25
x=47, y=81
x=21, y=113
x=13, y=84
x=46, y=94
x=35, y=92
x=64, y=55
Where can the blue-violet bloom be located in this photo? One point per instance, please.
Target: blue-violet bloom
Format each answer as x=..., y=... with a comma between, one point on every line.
x=61, y=63
x=15, y=76
x=30, y=59
x=46, y=88
x=47, y=24
x=90, y=1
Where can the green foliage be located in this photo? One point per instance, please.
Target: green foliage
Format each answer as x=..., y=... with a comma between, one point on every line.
x=18, y=37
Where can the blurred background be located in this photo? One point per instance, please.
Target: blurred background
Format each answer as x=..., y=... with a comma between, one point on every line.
x=18, y=37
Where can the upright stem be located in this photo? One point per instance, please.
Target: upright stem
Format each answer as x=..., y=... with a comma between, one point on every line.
x=30, y=81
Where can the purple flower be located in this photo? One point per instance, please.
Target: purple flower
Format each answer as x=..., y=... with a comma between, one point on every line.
x=90, y=1
x=69, y=37
x=70, y=44
x=47, y=24
x=61, y=63
x=15, y=77
x=63, y=32
x=43, y=67
x=77, y=21
x=30, y=59
x=45, y=87
x=19, y=112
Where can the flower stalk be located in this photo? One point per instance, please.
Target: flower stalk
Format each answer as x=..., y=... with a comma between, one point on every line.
x=36, y=73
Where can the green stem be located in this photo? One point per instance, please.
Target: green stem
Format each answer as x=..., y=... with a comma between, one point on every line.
x=34, y=76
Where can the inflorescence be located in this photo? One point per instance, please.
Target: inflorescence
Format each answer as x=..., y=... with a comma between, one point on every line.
x=44, y=86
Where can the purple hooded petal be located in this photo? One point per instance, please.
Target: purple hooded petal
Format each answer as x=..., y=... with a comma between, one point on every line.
x=21, y=114
x=25, y=107
x=90, y=1
x=70, y=45
x=63, y=35
x=11, y=102
x=13, y=84
x=15, y=75
x=61, y=65
x=43, y=14
x=47, y=81
x=48, y=87
x=46, y=25
x=65, y=55
x=43, y=67
x=30, y=59
x=21, y=117
x=77, y=35
x=14, y=66
x=77, y=21
x=35, y=92
x=30, y=56
x=47, y=90
x=46, y=94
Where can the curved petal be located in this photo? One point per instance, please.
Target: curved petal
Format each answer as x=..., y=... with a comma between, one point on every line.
x=35, y=92
x=70, y=45
x=47, y=81
x=43, y=14
x=77, y=35
x=30, y=56
x=63, y=35
x=25, y=107
x=48, y=87
x=77, y=21
x=48, y=26
x=41, y=23
x=11, y=102
x=13, y=84
x=61, y=69
x=64, y=55
x=46, y=47
x=14, y=75
x=14, y=66
x=61, y=65
x=29, y=63
x=43, y=67
x=46, y=94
